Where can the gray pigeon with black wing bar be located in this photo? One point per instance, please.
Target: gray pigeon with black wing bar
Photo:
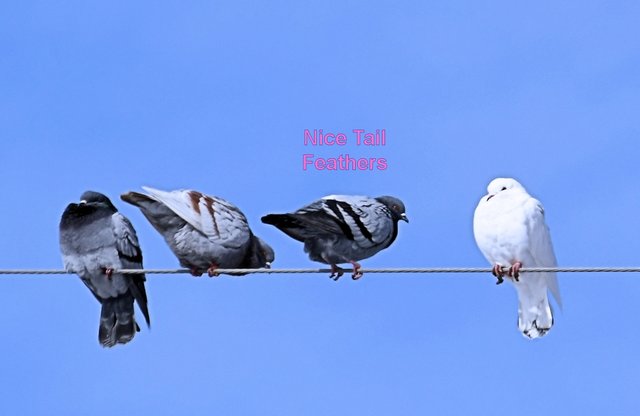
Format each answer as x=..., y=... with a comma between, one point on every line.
x=204, y=232
x=96, y=240
x=343, y=228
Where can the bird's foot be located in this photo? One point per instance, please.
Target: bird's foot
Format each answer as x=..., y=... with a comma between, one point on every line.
x=109, y=272
x=357, y=274
x=336, y=272
x=514, y=271
x=497, y=272
x=195, y=272
x=213, y=270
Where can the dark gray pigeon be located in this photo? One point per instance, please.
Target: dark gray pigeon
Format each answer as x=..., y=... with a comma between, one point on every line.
x=95, y=240
x=343, y=228
x=204, y=232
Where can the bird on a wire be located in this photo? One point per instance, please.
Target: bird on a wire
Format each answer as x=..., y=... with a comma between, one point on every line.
x=510, y=230
x=96, y=241
x=205, y=232
x=343, y=228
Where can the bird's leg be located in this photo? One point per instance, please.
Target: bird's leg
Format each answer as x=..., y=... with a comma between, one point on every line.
x=195, y=272
x=336, y=272
x=514, y=271
x=357, y=274
x=497, y=272
x=212, y=270
x=108, y=271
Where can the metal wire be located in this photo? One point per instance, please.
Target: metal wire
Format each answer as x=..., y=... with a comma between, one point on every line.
x=362, y=270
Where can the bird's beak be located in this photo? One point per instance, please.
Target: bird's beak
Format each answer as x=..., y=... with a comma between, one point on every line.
x=404, y=217
x=490, y=196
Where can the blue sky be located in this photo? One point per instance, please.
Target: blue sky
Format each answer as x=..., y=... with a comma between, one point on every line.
x=215, y=96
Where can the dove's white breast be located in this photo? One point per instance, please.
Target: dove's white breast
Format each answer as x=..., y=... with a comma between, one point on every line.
x=501, y=227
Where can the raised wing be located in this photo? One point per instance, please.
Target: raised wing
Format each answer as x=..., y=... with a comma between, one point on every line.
x=212, y=216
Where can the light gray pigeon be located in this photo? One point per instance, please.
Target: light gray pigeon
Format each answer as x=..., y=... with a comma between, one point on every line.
x=343, y=228
x=95, y=240
x=204, y=232
x=510, y=230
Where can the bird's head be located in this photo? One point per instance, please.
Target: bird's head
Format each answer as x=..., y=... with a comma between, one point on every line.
x=267, y=252
x=96, y=198
x=395, y=206
x=90, y=203
x=502, y=185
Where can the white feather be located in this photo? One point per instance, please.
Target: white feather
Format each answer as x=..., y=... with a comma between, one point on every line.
x=509, y=227
x=212, y=216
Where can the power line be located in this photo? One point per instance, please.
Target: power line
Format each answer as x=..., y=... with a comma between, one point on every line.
x=403, y=270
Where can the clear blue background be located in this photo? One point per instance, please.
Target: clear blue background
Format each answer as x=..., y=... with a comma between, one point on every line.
x=215, y=96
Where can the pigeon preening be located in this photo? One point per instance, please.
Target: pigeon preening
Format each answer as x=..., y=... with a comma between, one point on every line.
x=343, y=228
x=510, y=230
x=205, y=232
x=96, y=241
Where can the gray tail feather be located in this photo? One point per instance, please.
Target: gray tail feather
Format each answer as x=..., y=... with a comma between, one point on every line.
x=117, y=324
x=135, y=198
x=289, y=224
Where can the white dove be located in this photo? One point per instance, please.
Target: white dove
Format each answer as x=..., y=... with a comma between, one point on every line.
x=510, y=230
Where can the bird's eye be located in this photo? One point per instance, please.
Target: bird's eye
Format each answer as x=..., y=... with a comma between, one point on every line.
x=504, y=188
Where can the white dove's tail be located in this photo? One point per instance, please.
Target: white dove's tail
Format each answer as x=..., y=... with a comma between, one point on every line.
x=535, y=317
